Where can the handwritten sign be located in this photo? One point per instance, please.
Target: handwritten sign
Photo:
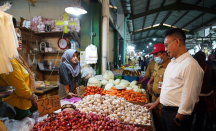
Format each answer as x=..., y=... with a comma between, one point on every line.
x=2, y=126
x=48, y=105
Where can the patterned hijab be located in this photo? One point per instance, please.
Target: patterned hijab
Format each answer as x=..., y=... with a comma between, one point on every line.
x=66, y=59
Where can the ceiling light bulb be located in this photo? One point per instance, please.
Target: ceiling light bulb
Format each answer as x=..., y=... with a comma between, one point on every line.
x=150, y=43
x=154, y=39
x=147, y=46
x=75, y=10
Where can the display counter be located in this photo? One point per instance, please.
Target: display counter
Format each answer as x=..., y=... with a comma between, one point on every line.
x=46, y=92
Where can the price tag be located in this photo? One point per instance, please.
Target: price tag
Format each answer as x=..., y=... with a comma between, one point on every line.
x=48, y=105
x=2, y=126
x=80, y=91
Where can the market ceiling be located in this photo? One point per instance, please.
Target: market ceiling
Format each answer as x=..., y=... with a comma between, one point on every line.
x=151, y=18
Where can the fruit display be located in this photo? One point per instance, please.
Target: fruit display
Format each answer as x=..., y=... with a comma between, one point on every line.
x=80, y=121
x=115, y=108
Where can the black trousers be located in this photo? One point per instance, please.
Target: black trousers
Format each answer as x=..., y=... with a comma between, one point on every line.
x=167, y=120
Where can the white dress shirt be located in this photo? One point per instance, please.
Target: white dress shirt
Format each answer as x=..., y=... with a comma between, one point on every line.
x=182, y=84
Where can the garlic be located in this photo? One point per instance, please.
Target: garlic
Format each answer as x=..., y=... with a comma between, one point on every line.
x=149, y=117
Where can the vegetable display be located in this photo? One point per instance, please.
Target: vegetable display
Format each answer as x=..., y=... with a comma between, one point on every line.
x=115, y=108
x=129, y=95
x=91, y=90
x=94, y=82
x=79, y=121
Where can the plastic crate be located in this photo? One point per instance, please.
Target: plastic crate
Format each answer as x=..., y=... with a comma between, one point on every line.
x=145, y=82
x=118, y=77
x=131, y=78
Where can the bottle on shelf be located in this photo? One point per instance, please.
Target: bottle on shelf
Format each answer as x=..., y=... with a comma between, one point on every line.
x=50, y=65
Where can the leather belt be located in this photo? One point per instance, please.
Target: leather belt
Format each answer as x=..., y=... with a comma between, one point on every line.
x=170, y=108
x=156, y=95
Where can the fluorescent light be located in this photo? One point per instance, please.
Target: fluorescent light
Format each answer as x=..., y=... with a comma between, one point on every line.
x=75, y=10
x=166, y=25
x=154, y=39
x=156, y=25
x=150, y=43
x=185, y=30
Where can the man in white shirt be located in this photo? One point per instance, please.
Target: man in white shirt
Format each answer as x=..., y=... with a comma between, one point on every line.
x=181, y=84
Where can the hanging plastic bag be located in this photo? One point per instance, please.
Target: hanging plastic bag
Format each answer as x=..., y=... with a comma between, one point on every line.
x=29, y=61
x=34, y=61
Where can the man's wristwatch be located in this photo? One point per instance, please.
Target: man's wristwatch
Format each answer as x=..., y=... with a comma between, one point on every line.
x=177, y=120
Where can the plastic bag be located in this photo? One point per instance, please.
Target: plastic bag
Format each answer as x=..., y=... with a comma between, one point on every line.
x=34, y=61
x=15, y=125
x=29, y=61
x=36, y=117
x=87, y=70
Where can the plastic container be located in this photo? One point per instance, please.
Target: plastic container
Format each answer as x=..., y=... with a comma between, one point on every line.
x=131, y=78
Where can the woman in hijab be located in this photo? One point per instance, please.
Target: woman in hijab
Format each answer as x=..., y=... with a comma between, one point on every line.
x=69, y=73
x=22, y=79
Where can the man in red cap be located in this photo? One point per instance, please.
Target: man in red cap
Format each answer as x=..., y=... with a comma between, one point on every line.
x=161, y=59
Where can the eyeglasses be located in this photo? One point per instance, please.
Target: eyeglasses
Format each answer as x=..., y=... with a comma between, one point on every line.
x=167, y=44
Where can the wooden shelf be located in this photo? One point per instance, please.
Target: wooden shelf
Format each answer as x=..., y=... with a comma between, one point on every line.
x=45, y=53
x=52, y=34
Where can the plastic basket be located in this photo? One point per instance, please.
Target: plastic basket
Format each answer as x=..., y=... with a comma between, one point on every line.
x=131, y=78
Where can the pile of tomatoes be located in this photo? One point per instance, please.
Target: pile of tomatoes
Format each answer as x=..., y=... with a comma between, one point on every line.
x=91, y=90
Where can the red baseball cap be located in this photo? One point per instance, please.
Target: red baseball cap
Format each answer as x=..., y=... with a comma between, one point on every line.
x=157, y=48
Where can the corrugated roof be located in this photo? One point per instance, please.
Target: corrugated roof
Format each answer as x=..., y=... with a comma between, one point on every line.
x=143, y=16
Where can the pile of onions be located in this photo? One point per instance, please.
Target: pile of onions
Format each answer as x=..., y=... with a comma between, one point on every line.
x=78, y=121
x=115, y=108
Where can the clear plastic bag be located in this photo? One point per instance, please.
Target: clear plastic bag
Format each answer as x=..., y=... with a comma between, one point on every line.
x=86, y=71
x=36, y=117
x=15, y=125
x=29, y=61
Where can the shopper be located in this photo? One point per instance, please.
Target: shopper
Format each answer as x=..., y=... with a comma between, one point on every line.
x=69, y=74
x=205, y=104
x=143, y=64
x=140, y=61
x=181, y=84
x=23, y=81
x=149, y=72
x=161, y=59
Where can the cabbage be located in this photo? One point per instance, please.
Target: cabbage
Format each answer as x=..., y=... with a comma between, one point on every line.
x=94, y=82
x=111, y=81
x=123, y=84
x=104, y=82
x=108, y=86
x=117, y=81
x=133, y=83
x=107, y=75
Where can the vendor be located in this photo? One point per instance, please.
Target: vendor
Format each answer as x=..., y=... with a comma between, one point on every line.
x=69, y=74
x=23, y=81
